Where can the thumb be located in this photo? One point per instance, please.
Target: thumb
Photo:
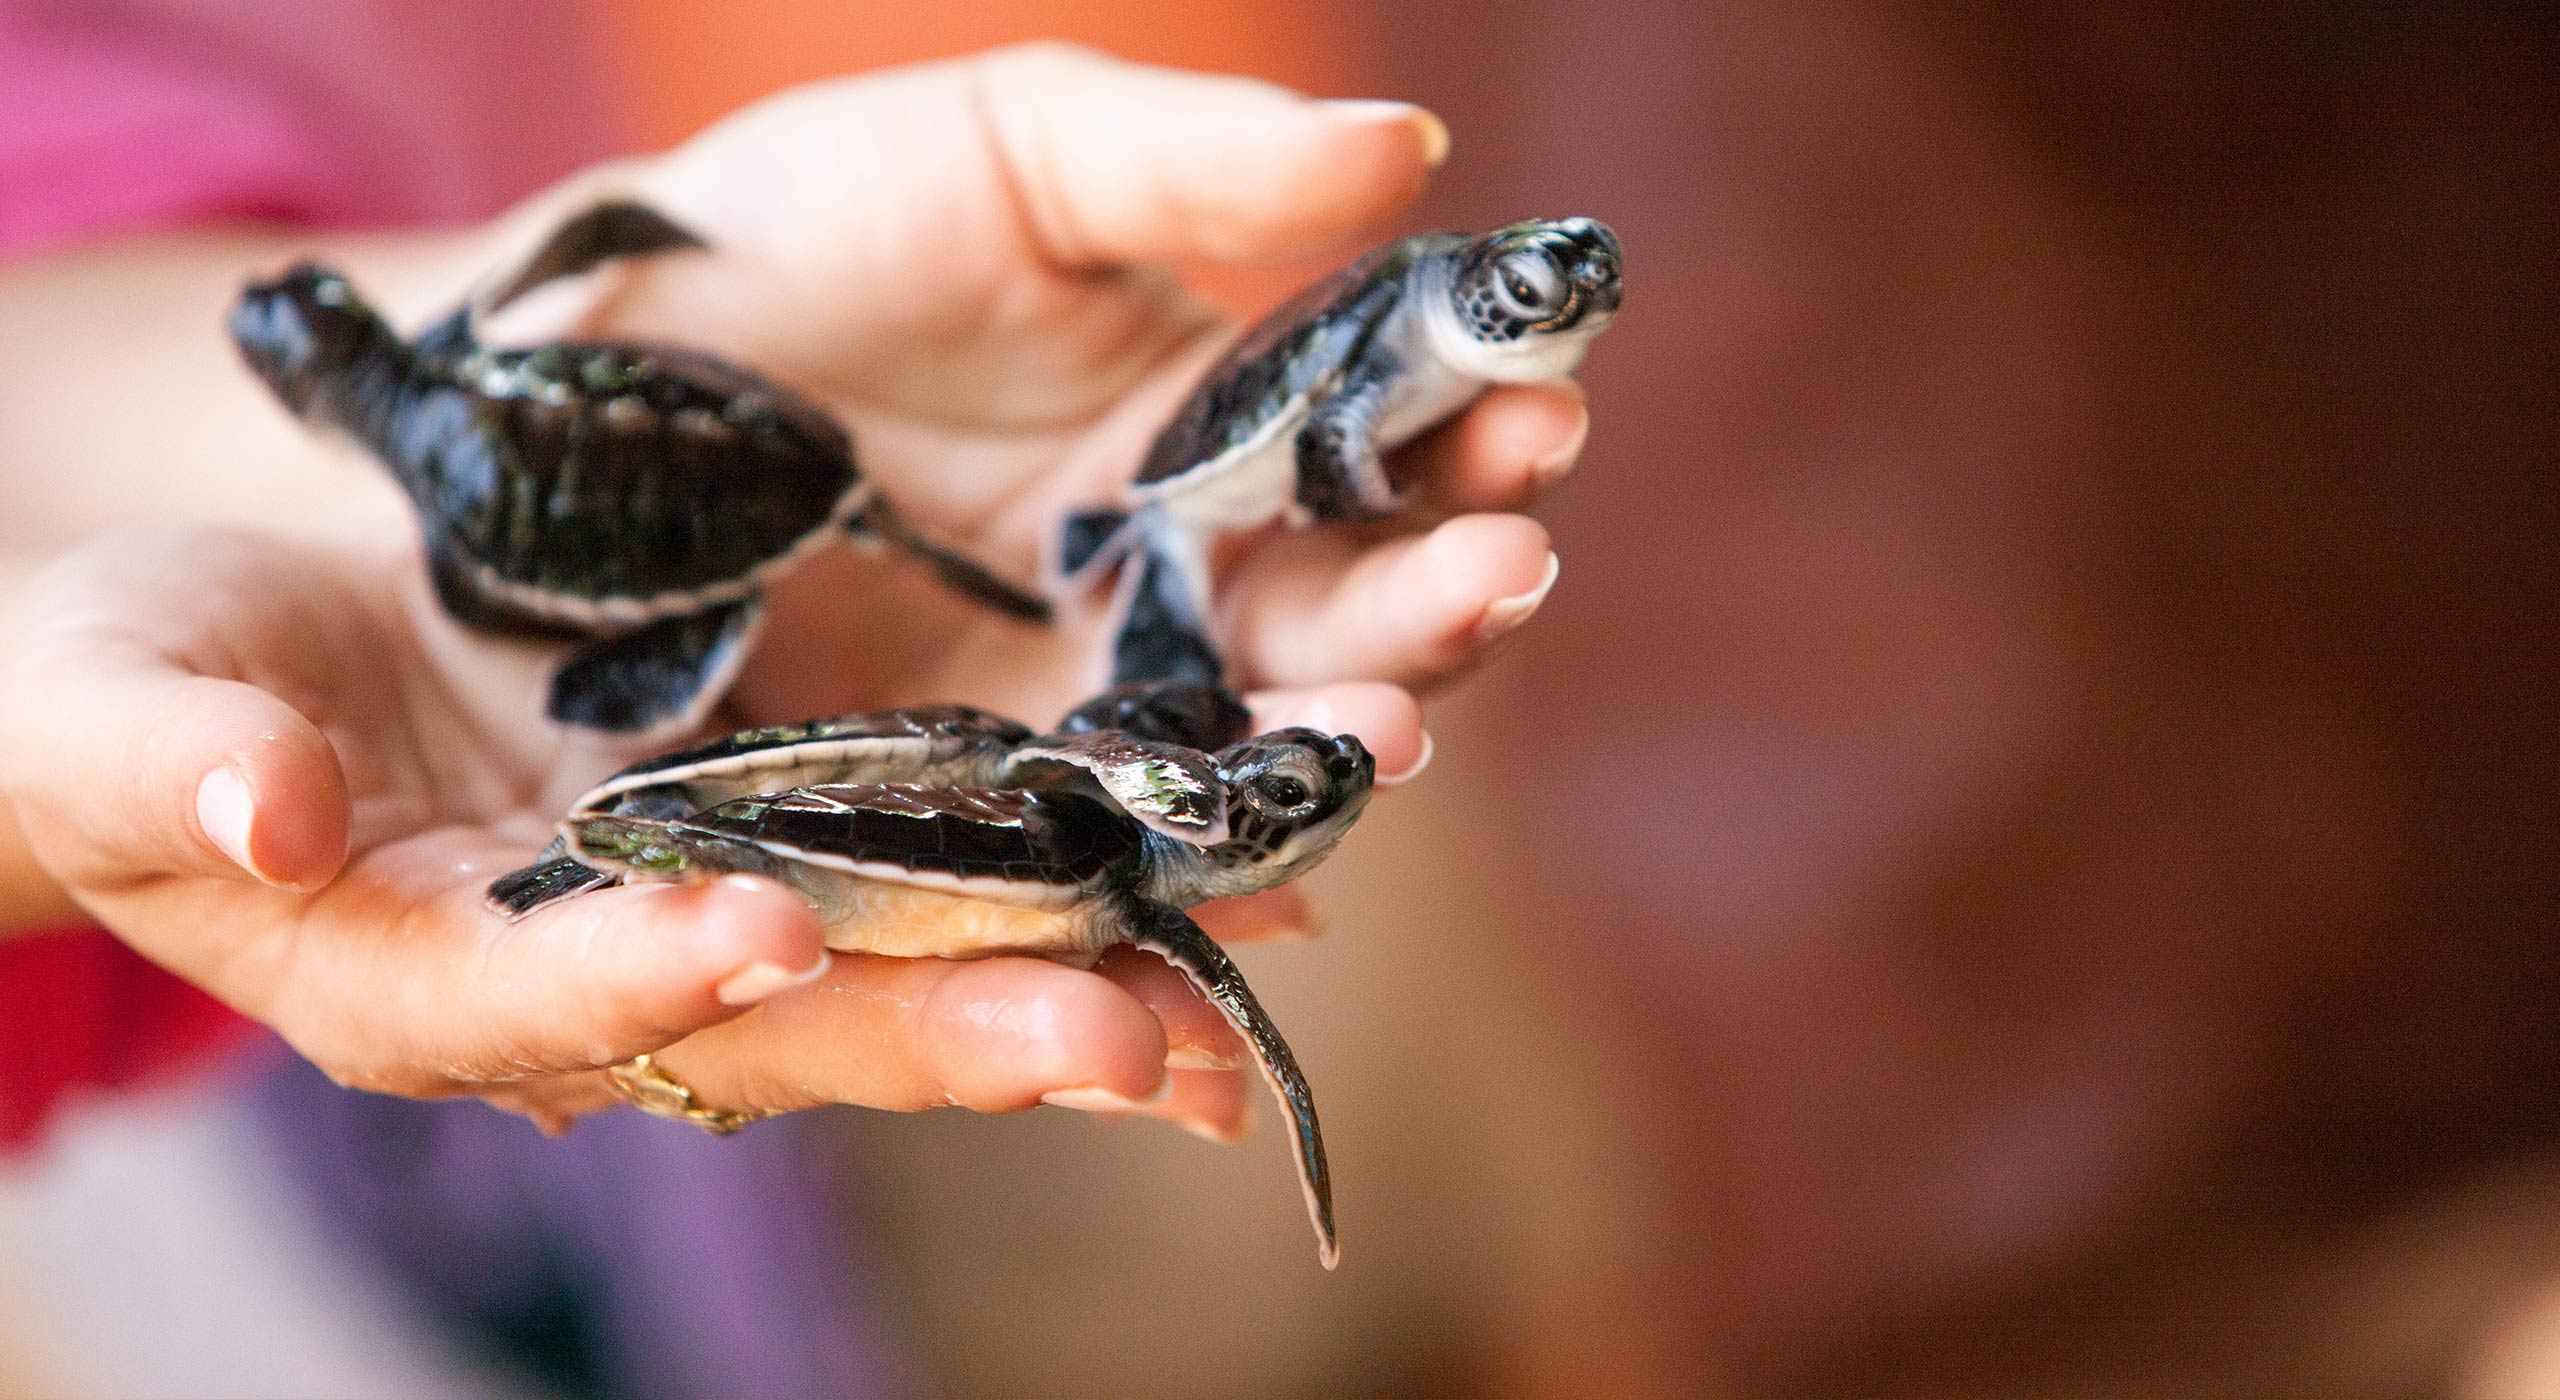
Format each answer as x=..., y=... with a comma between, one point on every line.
x=127, y=768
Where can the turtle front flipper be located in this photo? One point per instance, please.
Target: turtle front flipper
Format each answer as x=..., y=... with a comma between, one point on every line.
x=1166, y=787
x=1340, y=473
x=958, y=572
x=615, y=228
x=1164, y=629
x=598, y=234
x=1170, y=934
x=659, y=676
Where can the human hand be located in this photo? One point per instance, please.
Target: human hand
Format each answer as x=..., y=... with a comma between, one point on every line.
x=248, y=758
x=375, y=744
x=967, y=264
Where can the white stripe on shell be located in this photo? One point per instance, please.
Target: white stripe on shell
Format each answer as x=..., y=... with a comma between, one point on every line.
x=626, y=611
x=807, y=759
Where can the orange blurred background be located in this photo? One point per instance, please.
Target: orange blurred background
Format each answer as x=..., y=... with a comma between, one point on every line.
x=2018, y=859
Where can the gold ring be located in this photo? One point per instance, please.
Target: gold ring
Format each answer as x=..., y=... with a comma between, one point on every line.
x=641, y=1083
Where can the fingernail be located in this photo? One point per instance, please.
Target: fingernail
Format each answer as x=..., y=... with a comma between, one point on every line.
x=1198, y=1057
x=1503, y=614
x=1090, y=1100
x=1423, y=760
x=1557, y=465
x=759, y=980
x=223, y=810
x=1425, y=122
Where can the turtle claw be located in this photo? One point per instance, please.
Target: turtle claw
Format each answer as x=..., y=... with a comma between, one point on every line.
x=1170, y=934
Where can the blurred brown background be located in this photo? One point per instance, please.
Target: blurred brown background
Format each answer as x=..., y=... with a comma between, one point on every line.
x=2020, y=857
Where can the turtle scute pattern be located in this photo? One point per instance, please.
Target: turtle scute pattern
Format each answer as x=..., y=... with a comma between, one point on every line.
x=1027, y=836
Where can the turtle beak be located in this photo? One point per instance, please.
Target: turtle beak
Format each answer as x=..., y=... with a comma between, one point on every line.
x=1347, y=760
x=1595, y=273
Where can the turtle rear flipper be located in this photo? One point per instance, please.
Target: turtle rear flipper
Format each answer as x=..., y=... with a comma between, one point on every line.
x=958, y=572
x=660, y=676
x=553, y=876
x=545, y=882
x=1170, y=934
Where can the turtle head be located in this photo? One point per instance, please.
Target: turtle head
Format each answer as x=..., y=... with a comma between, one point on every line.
x=1291, y=795
x=301, y=332
x=1528, y=298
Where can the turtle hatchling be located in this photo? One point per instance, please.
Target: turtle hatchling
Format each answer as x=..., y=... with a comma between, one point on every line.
x=1107, y=840
x=1292, y=422
x=633, y=499
x=951, y=745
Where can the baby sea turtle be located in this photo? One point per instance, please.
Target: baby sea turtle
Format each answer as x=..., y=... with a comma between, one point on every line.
x=633, y=498
x=951, y=745
x=933, y=870
x=1292, y=422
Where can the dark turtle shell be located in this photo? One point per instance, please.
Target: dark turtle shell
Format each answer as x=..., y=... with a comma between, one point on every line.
x=1295, y=351
x=608, y=471
x=1108, y=748
x=1008, y=834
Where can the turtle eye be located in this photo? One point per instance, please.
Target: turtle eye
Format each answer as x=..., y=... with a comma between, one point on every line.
x=1531, y=284
x=1282, y=791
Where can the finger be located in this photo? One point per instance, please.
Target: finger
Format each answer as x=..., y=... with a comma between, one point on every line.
x=1385, y=717
x=1511, y=445
x=1122, y=163
x=415, y=995
x=997, y=1035
x=134, y=769
x=1196, y=1035
x=1316, y=606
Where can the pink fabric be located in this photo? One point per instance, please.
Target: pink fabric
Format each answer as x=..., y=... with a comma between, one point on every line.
x=125, y=117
